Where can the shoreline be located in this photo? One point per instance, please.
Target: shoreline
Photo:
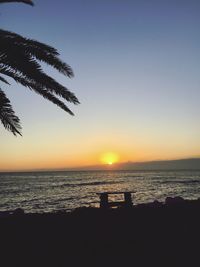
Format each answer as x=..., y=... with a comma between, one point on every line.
x=176, y=201
x=147, y=234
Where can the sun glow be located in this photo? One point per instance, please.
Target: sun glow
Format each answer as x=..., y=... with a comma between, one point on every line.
x=109, y=158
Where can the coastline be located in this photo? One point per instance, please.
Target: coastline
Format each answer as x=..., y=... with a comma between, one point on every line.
x=147, y=234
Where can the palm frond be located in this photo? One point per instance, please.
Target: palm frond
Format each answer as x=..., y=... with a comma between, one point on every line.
x=42, y=52
x=20, y=59
x=21, y=39
x=7, y=116
x=31, y=71
x=4, y=80
x=29, y=2
x=16, y=76
x=50, y=97
x=37, y=88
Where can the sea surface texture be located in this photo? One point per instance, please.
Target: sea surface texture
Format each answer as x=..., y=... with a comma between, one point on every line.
x=53, y=191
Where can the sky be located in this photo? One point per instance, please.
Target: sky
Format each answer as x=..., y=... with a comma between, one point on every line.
x=136, y=65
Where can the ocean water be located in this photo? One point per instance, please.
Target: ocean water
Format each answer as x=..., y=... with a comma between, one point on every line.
x=53, y=191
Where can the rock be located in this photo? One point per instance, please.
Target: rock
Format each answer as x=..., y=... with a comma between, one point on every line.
x=179, y=199
x=18, y=211
x=174, y=200
x=157, y=203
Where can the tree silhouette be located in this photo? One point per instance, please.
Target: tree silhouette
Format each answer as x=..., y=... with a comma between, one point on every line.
x=29, y=2
x=20, y=60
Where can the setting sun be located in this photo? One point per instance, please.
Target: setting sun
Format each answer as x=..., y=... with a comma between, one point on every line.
x=109, y=158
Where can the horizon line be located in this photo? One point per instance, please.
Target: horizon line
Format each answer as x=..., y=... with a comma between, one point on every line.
x=107, y=166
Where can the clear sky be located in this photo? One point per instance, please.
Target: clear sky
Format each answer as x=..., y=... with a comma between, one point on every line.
x=137, y=76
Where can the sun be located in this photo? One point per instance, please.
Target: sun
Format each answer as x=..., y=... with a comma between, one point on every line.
x=109, y=158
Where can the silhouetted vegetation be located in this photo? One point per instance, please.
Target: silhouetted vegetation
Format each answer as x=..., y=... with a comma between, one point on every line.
x=29, y=2
x=19, y=60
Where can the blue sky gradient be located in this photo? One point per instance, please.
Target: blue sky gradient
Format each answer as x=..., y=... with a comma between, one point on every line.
x=136, y=67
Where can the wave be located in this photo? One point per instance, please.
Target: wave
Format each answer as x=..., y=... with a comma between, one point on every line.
x=85, y=184
x=194, y=181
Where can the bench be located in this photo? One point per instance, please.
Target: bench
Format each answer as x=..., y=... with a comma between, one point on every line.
x=104, y=203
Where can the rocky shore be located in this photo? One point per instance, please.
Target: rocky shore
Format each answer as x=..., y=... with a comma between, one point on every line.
x=152, y=234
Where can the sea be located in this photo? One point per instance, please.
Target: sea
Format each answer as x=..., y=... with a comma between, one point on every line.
x=39, y=192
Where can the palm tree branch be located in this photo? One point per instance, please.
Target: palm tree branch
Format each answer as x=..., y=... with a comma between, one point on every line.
x=30, y=68
x=38, y=89
x=28, y=2
x=20, y=59
x=7, y=116
x=18, y=38
x=17, y=43
x=50, y=97
x=16, y=76
x=4, y=80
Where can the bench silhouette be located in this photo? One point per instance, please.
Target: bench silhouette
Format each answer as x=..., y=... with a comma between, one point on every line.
x=104, y=203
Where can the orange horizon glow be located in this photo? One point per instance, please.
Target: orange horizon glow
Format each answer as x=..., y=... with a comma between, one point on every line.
x=48, y=155
x=49, y=166
x=109, y=158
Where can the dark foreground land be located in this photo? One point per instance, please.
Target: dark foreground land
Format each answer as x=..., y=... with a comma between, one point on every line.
x=147, y=235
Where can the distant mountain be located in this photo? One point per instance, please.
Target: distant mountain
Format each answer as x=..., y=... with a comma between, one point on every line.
x=180, y=164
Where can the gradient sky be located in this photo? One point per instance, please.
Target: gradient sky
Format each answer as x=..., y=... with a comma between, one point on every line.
x=136, y=65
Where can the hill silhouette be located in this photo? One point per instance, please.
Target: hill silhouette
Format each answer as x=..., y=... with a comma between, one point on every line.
x=179, y=164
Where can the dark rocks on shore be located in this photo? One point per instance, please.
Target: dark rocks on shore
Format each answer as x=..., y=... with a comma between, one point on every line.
x=18, y=212
x=151, y=234
x=174, y=200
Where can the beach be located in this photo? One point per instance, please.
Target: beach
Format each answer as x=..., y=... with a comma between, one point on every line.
x=144, y=235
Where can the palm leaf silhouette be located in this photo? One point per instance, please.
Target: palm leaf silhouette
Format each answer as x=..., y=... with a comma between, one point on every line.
x=7, y=115
x=2, y=79
x=20, y=60
x=29, y=2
